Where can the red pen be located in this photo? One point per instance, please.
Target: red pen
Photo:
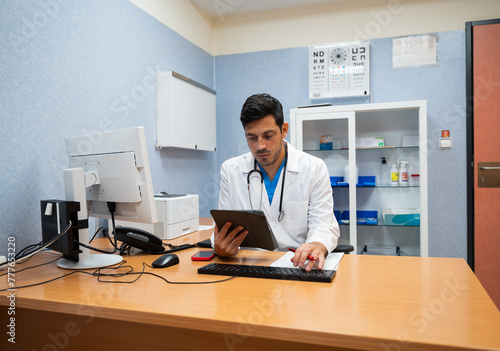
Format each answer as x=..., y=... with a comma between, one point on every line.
x=309, y=257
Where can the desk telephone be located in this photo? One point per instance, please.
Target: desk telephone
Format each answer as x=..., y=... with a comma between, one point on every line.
x=144, y=240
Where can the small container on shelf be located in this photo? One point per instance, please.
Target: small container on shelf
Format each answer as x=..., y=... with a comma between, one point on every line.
x=326, y=142
x=401, y=216
x=415, y=180
x=363, y=217
x=366, y=181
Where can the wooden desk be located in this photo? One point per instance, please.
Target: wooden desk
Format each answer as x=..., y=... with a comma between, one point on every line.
x=374, y=303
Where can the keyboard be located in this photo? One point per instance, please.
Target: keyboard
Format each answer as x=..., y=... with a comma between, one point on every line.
x=315, y=275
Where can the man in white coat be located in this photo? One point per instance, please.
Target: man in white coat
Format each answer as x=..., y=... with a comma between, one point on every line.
x=297, y=200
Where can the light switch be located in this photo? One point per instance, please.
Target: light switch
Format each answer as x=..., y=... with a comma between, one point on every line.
x=445, y=143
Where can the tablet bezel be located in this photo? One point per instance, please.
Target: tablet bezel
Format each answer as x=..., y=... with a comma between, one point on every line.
x=260, y=233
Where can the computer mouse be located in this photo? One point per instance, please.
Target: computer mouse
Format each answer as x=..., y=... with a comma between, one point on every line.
x=166, y=260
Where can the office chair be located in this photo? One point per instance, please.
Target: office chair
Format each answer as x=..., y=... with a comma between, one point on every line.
x=344, y=248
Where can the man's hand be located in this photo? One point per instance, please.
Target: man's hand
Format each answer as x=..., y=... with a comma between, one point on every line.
x=315, y=249
x=227, y=244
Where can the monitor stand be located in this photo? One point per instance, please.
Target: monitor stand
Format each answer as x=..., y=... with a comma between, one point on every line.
x=75, y=190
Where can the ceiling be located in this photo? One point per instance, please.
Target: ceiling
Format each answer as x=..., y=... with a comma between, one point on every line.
x=221, y=8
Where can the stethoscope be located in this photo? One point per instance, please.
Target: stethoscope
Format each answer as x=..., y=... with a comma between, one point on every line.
x=255, y=169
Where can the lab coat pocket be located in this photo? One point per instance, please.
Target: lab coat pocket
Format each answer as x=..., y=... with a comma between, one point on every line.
x=296, y=216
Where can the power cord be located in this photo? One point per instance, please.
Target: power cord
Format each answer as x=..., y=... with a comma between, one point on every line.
x=111, y=209
x=36, y=248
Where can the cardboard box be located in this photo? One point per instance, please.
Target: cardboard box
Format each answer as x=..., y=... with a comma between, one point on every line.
x=369, y=141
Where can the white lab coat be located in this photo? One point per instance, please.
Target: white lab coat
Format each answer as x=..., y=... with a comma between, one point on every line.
x=307, y=198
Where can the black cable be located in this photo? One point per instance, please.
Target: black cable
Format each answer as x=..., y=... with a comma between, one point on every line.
x=36, y=266
x=143, y=272
x=47, y=281
x=36, y=250
x=105, y=232
x=111, y=209
x=96, y=249
x=95, y=234
x=29, y=247
x=97, y=273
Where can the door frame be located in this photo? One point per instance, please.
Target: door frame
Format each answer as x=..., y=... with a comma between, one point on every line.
x=469, y=79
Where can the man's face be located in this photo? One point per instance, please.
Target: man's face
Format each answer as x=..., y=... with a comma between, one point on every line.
x=265, y=140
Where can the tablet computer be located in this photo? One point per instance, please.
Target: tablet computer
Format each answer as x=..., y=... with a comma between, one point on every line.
x=259, y=235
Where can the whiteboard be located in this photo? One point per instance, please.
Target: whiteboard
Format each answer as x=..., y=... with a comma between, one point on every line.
x=185, y=112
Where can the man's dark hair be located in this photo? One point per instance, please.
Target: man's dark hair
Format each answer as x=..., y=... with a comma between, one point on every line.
x=259, y=106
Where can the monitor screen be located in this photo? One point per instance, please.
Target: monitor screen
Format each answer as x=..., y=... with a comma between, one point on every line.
x=108, y=170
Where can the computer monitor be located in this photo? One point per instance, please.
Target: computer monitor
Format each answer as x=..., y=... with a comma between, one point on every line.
x=108, y=168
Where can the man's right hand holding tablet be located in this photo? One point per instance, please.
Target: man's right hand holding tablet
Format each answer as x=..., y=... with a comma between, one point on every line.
x=226, y=243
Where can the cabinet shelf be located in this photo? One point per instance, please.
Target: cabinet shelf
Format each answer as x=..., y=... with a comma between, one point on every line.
x=376, y=187
x=366, y=149
x=381, y=225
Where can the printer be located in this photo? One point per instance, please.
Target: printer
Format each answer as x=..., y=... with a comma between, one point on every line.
x=177, y=215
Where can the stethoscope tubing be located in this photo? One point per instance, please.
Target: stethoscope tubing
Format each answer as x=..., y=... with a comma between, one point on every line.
x=259, y=172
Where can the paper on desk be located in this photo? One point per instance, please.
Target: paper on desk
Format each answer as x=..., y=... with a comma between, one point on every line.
x=331, y=262
x=205, y=227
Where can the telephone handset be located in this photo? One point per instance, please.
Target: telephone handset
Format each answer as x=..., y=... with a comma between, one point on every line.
x=139, y=238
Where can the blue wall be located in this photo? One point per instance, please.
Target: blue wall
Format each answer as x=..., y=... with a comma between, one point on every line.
x=284, y=74
x=74, y=67
x=69, y=68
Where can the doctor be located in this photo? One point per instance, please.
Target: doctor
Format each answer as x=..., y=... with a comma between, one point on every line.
x=291, y=187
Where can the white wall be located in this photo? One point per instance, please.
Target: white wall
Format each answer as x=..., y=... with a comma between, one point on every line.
x=315, y=24
x=182, y=17
x=345, y=21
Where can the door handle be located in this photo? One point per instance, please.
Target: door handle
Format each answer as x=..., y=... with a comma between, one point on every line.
x=488, y=175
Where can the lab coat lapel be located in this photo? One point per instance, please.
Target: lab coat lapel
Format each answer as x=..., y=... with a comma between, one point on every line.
x=292, y=170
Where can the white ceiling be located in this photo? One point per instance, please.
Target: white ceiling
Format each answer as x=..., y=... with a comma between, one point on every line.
x=221, y=8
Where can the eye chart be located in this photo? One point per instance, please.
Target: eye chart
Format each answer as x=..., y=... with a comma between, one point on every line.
x=339, y=70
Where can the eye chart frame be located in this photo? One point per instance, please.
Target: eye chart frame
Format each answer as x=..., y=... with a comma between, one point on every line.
x=339, y=70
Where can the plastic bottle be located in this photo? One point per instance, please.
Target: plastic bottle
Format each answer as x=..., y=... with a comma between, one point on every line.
x=394, y=176
x=403, y=173
x=383, y=173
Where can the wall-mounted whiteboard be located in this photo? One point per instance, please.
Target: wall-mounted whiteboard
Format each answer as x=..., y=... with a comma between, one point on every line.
x=185, y=112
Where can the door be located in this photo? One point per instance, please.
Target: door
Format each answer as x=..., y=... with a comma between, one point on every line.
x=483, y=55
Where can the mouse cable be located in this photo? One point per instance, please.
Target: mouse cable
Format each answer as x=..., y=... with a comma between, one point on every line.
x=97, y=273
x=143, y=272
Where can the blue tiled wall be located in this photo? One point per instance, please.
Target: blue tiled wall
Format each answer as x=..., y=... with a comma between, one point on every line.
x=74, y=67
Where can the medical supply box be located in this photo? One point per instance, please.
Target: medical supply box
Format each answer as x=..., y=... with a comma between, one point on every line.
x=177, y=215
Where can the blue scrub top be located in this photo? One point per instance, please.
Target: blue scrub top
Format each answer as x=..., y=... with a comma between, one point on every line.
x=271, y=186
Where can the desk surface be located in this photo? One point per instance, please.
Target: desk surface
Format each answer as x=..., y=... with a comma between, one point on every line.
x=373, y=303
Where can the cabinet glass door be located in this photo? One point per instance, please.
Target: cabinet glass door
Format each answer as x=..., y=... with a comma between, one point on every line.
x=313, y=134
x=388, y=204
